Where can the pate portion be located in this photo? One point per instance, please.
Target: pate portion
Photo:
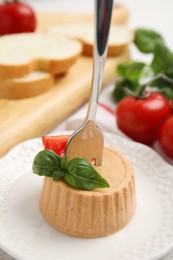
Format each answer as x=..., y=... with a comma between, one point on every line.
x=96, y=213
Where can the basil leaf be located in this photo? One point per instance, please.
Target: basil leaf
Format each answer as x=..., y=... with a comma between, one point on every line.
x=48, y=163
x=169, y=72
x=120, y=90
x=145, y=40
x=82, y=175
x=131, y=71
x=163, y=59
x=77, y=173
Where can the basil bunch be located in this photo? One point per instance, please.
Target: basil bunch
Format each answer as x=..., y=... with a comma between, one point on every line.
x=159, y=72
x=78, y=172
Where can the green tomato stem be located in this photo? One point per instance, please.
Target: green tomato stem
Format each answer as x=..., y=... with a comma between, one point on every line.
x=159, y=76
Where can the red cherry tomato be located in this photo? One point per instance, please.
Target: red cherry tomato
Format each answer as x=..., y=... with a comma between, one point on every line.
x=56, y=143
x=165, y=136
x=16, y=17
x=171, y=102
x=140, y=118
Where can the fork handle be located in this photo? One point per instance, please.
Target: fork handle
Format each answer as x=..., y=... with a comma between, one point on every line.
x=103, y=12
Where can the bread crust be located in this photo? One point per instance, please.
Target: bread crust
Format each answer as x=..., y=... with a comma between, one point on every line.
x=119, y=39
x=22, y=88
x=112, y=51
x=56, y=56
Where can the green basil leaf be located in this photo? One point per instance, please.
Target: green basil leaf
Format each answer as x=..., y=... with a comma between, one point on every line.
x=145, y=40
x=77, y=173
x=47, y=163
x=120, y=91
x=163, y=59
x=162, y=83
x=169, y=72
x=131, y=71
x=82, y=175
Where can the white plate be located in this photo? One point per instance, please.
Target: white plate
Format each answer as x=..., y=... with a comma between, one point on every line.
x=24, y=233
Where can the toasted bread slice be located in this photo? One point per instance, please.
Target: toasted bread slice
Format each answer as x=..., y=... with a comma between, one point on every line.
x=119, y=38
x=23, y=53
x=33, y=84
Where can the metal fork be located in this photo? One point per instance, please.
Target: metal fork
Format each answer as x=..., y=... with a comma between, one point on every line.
x=87, y=141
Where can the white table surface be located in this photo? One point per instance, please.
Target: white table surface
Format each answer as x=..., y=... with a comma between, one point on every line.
x=155, y=14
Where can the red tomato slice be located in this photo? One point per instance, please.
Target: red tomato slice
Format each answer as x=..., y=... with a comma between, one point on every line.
x=56, y=143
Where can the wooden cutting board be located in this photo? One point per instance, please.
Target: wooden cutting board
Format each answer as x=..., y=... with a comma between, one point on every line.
x=27, y=118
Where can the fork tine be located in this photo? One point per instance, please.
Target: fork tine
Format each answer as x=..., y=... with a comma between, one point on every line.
x=88, y=142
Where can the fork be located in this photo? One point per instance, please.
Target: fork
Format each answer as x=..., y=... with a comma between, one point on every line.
x=87, y=141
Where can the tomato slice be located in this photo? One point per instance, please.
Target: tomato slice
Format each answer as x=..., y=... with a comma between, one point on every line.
x=56, y=143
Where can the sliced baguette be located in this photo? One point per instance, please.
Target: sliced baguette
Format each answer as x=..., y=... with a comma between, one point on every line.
x=119, y=38
x=33, y=84
x=23, y=53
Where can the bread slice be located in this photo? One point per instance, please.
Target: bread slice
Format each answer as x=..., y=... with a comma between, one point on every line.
x=119, y=38
x=33, y=84
x=23, y=53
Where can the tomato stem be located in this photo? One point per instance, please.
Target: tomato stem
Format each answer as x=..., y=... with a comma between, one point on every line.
x=142, y=93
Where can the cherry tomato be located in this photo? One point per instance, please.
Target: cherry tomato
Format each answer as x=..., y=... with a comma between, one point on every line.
x=165, y=136
x=171, y=102
x=140, y=118
x=16, y=17
x=56, y=143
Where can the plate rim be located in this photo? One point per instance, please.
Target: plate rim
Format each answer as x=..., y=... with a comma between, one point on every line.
x=37, y=140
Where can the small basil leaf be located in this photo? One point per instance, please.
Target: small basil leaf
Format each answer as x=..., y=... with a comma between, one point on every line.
x=131, y=71
x=46, y=163
x=162, y=60
x=145, y=40
x=82, y=175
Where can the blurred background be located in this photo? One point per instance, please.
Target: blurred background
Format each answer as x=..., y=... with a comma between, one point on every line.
x=156, y=14
x=151, y=13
